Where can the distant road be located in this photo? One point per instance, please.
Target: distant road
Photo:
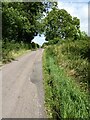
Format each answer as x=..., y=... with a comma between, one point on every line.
x=22, y=87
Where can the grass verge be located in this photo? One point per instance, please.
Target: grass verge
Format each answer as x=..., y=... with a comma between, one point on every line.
x=63, y=96
x=13, y=55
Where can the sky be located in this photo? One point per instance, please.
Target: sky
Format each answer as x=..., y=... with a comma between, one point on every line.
x=39, y=40
x=77, y=8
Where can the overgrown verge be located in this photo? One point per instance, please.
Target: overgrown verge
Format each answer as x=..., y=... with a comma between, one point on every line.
x=64, y=96
x=73, y=56
x=13, y=49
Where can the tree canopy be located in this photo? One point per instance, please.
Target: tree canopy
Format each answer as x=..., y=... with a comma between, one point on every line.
x=59, y=23
x=20, y=19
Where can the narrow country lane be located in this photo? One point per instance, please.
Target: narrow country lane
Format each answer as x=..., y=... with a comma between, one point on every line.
x=22, y=87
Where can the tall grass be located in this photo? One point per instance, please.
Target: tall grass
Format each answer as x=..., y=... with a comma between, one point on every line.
x=63, y=97
x=74, y=58
x=11, y=48
x=66, y=83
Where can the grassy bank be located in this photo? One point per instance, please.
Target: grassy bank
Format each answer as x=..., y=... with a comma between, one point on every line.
x=73, y=56
x=13, y=49
x=13, y=56
x=66, y=94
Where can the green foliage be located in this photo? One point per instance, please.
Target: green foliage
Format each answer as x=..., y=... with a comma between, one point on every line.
x=34, y=45
x=59, y=23
x=20, y=23
x=83, y=35
x=63, y=97
x=66, y=78
x=20, y=20
x=73, y=56
x=77, y=48
x=9, y=48
x=16, y=24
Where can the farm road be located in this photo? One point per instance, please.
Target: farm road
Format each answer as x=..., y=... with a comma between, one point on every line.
x=22, y=87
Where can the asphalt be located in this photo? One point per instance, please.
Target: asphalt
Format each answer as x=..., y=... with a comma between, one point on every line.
x=22, y=87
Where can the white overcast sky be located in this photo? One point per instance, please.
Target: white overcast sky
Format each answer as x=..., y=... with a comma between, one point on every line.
x=77, y=8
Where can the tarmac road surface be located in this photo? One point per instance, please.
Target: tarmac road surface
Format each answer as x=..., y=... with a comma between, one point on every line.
x=22, y=87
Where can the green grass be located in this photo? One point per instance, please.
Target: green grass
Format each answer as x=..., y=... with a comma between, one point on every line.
x=12, y=49
x=19, y=53
x=73, y=56
x=12, y=55
x=63, y=97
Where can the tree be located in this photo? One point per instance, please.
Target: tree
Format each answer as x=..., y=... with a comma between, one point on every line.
x=83, y=35
x=14, y=21
x=59, y=23
x=20, y=20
